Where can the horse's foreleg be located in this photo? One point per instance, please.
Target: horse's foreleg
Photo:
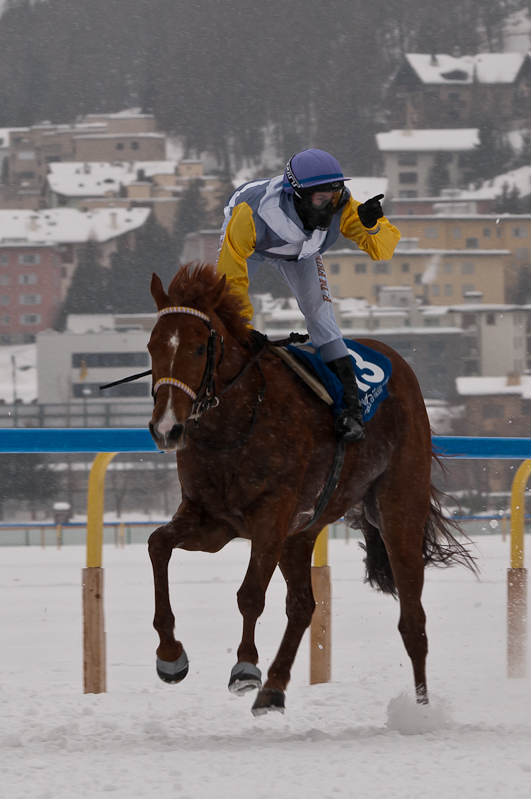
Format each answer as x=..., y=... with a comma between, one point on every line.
x=295, y=565
x=172, y=663
x=187, y=530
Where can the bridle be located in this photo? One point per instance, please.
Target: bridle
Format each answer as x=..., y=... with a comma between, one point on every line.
x=205, y=397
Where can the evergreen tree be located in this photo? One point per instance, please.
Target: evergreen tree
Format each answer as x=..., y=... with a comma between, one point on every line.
x=490, y=158
x=132, y=267
x=88, y=290
x=439, y=177
x=26, y=477
x=191, y=215
x=509, y=202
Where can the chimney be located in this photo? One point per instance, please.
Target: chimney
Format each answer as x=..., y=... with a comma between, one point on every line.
x=434, y=61
x=114, y=220
x=513, y=379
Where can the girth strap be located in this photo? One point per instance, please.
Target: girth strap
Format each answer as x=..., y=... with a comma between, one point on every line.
x=330, y=486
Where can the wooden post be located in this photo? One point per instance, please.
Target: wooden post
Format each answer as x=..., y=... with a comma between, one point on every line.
x=517, y=579
x=320, y=630
x=94, y=675
x=59, y=535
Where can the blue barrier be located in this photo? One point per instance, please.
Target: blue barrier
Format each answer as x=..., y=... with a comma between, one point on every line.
x=138, y=439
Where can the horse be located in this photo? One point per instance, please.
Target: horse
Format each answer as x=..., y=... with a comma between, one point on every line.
x=254, y=449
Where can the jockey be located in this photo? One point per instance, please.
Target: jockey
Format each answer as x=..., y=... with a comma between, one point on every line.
x=289, y=221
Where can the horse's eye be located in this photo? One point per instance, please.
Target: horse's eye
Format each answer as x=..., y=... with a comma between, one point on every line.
x=201, y=350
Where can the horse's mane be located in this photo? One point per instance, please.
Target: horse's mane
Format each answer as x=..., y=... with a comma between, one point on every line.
x=192, y=285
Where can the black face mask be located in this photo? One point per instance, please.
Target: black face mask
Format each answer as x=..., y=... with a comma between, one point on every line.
x=315, y=217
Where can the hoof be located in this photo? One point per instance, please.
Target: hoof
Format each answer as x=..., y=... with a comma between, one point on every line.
x=174, y=671
x=268, y=699
x=244, y=677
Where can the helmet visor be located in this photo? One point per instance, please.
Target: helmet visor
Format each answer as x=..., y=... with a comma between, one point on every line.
x=325, y=194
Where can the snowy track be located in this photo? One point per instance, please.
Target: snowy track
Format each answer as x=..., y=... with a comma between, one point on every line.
x=351, y=738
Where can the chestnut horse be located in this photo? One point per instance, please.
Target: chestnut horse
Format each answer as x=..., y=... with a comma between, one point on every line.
x=254, y=449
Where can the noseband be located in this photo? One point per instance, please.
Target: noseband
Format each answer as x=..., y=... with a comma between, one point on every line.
x=205, y=398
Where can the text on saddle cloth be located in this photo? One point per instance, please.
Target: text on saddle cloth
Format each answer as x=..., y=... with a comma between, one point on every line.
x=372, y=369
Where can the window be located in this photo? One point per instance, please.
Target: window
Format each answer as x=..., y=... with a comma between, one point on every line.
x=335, y=269
x=28, y=280
x=26, y=175
x=95, y=360
x=486, y=232
x=448, y=290
x=29, y=259
x=4, y=259
x=135, y=145
x=431, y=321
x=491, y=318
x=522, y=253
x=469, y=320
x=381, y=268
x=120, y=146
x=407, y=159
x=431, y=232
x=83, y=390
x=26, y=155
x=492, y=411
x=29, y=299
x=456, y=233
x=407, y=194
x=6, y=319
x=448, y=268
x=407, y=177
x=418, y=278
x=4, y=280
x=404, y=268
x=519, y=232
x=499, y=232
x=467, y=287
x=467, y=268
x=30, y=319
x=360, y=269
x=472, y=244
x=4, y=299
x=435, y=290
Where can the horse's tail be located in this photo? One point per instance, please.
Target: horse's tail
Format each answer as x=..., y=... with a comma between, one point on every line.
x=440, y=546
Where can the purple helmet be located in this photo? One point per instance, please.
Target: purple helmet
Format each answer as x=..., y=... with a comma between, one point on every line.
x=311, y=168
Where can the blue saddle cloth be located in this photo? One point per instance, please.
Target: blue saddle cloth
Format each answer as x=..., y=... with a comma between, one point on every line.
x=372, y=369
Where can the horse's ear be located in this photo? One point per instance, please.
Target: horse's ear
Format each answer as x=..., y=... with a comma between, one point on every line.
x=158, y=293
x=217, y=292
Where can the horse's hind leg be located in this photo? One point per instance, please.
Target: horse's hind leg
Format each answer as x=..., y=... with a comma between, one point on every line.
x=265, y=553
x=295, y=565
x=402, y=526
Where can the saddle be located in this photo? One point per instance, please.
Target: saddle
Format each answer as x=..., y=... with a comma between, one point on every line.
x=372, y=369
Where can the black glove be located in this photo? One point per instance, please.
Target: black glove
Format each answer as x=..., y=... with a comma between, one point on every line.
x=371, y=211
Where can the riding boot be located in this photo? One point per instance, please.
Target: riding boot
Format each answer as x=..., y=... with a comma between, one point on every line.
x=349, y=424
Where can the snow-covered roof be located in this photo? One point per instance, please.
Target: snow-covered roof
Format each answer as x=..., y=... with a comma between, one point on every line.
x=68, y=225
x=121, y=136
x=127, y=113
x=485, y=386
x=364, y=188
x=96, y=179
x=480, y=68
x=519, y=179
x=449, y=139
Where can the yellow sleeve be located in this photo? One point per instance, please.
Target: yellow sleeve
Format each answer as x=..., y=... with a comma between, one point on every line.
x=238, y=244
x=379, y=242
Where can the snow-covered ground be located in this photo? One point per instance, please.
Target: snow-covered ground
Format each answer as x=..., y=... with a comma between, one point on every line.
x=360, y=735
